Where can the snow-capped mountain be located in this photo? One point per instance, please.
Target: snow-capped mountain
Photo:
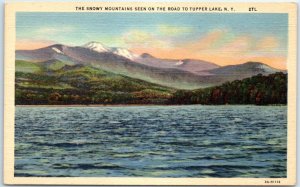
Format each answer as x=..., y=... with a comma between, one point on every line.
x=177, y=73
x=96, y=46
x=190, y=65
x=124, y=53
x=99, y=47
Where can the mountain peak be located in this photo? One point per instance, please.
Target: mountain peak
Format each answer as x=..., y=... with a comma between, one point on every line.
x=124, y=53
x=256, y=65
x=99, y=47
x=145, y=55
x=253, y=63
x=261, y=66
x=96, y=46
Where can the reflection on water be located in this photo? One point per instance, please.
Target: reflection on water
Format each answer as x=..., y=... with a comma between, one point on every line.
x=151, y=141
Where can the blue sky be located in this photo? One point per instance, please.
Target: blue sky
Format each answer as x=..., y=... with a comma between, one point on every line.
x=195, y=34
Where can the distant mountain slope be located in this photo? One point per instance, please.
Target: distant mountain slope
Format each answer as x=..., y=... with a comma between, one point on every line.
x=181, y=74
x=241, y=71
x=248, y=68
x=53, y=52
x=117, y=64
x=193, y=66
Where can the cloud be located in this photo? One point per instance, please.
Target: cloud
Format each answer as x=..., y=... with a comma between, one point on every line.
x=137, y=37
x=173, y=30
x=219, y=46
x=208, y=41
x=28, y=44
x=240, y=44
x=143, y=39
x=267, y=43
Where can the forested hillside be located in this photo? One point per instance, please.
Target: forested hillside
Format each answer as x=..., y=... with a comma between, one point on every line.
x=259, y=90
x=47, y=84
x=58, y=83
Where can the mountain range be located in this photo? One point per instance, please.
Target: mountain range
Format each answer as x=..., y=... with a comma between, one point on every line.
x=175, y=73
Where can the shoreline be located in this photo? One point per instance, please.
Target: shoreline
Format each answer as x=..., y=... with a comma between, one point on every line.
x=133, y=105
x=93, y=105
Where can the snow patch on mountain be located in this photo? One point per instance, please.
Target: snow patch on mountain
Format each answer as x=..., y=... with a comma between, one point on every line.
x=57, y=50
x=96, y=46
x=124, y=53
x=266, y=68
x=180, y=62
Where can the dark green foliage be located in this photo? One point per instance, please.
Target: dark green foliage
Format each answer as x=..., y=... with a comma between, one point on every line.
x=259, y=90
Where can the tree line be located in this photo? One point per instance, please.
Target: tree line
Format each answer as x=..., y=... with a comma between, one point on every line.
x=258, y=90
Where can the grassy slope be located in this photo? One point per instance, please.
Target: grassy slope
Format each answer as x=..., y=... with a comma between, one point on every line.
x=28, y=67
x=53, y=65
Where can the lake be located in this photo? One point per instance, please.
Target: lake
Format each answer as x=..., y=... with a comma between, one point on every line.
x=151, y=141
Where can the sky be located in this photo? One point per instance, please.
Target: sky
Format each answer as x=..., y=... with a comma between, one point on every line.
x=224, y=39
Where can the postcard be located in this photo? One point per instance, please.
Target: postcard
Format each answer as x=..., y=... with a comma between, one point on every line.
x=150, y=93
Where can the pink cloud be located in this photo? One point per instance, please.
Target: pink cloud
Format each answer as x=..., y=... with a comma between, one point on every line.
x=28, y=44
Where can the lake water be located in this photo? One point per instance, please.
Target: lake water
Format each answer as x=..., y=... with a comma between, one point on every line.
x=151, y=141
